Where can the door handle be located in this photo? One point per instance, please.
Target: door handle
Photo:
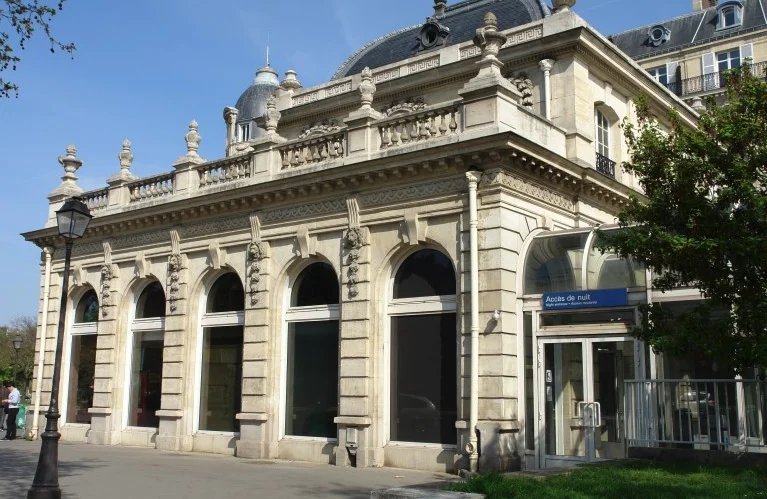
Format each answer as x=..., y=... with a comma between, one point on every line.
x=597, y=414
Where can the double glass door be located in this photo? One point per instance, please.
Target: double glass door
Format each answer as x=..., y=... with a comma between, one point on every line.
x=581, y=399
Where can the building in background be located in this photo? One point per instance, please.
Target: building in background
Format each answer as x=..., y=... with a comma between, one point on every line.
x=690, y=54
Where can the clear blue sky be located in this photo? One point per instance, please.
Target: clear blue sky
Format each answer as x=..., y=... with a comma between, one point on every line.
x=144, y=68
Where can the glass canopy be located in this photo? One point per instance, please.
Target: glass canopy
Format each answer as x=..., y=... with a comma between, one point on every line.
x=564, y=261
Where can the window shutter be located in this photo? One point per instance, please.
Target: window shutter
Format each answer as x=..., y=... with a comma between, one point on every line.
x=708, y=63
x=746, y=52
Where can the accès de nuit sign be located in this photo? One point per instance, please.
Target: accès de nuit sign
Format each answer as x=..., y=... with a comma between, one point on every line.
x=594, y=298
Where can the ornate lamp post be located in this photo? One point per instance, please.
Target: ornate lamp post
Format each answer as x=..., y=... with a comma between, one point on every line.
x=72, y=218
x=17, y=341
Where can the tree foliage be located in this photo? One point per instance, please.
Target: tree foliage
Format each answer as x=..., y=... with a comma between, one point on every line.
x=19, y=20
x=702, y=222
x=18, y=365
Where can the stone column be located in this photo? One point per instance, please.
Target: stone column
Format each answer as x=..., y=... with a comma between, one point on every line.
x=257, y=413
x=175, y=422
x=546, y=65
x=356, y=443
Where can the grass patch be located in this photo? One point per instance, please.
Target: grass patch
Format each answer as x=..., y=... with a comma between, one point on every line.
x=645, y=480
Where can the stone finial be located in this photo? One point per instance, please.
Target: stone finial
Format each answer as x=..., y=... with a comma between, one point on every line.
x=271, y=115
x=490, y=41
x=439, y=8
x=192, y=139
x=367, y=88
x=698, y=105
x=71, y=164
x=290, y=82
x=563, y=5
x=125, y=156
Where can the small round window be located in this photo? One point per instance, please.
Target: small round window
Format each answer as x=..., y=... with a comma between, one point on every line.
x=429, y=35
x=658, y=34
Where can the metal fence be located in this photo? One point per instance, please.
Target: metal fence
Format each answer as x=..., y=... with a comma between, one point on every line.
x=697, y=414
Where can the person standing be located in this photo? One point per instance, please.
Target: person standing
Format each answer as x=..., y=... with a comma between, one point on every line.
x=13, y=410
x=4, y=410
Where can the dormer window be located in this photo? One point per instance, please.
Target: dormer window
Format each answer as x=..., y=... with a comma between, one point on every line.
x=658, y=34
x=729, y=14
x=432, y=34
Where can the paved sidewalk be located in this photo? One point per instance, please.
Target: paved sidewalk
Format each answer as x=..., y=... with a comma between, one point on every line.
x=91, y=471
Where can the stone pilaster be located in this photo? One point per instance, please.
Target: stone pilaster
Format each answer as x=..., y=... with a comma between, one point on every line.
x=175, y=422
x=356, y=443
x=257, y=413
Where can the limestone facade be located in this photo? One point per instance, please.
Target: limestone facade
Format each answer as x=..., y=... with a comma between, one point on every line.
x=360, y=174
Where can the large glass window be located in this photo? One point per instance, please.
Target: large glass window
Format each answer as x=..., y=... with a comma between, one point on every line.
x=603, y=134
x=82, y=364
x=554, y=263
x=424, y=351
x=659, y=74
x=81, y=379
x=728, y=60
x=312, y=360
x=146, y=357
x=221, y=377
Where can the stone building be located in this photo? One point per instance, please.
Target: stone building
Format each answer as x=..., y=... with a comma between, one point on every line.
x=369, y=275
x=691, y=53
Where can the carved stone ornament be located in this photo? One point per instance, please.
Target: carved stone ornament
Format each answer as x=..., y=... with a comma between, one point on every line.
x=326, y=126
x=256, y=253
x=291, y=81
x=174, y=280
x=563, y=5
x=354, y=241
x=106, y=285
x=193, y=139
x=125, y=156
x=409, y=105
x=367, y=88
x=71, y=164
x=271, y=115
x=490, y=41
x=525, y=86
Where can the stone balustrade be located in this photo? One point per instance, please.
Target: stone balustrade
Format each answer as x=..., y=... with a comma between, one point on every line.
x=224, y=171
x=96, y=200
x=312, y=150
x=424, y=125
x=151, y=187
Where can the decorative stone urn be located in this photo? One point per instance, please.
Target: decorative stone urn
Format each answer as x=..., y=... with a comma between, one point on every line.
x=563, y=5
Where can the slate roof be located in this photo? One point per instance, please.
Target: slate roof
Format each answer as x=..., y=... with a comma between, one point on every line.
x=690, y=29
x=462, y=19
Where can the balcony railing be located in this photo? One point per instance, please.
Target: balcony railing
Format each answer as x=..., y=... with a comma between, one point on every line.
x=709, y=82
x=605, y=166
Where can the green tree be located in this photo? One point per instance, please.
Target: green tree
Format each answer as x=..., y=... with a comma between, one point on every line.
x=18, y=365
x=19, y=20
x=702, y=222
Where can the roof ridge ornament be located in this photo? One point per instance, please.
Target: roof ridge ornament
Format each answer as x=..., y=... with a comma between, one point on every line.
x=490, y=41
x=71, y=164
x=439, y=8
x=563, y=5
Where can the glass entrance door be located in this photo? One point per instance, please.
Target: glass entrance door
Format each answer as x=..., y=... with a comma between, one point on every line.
x=581, y=398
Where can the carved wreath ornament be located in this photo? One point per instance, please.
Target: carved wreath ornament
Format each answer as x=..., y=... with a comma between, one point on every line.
x=174, y=278
x=255, y=255
x=106, y=285
x=353, y=241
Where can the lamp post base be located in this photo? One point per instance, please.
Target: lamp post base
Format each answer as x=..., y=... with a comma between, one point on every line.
x=46, y=482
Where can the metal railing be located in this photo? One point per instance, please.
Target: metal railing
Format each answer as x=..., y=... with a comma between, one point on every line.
x=605, y=165
x=705, y=414
x=709, y=82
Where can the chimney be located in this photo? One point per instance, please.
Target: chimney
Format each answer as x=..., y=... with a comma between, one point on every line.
x=702, y=4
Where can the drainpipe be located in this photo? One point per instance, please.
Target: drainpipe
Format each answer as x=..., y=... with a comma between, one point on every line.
x=43, y=333
x=546, y=65
x=473, y=178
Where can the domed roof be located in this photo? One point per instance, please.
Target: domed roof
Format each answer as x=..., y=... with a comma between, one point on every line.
x=459, y=24
x=252, y=102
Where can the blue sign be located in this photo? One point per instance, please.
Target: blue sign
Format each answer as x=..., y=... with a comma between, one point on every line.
x=593, y=298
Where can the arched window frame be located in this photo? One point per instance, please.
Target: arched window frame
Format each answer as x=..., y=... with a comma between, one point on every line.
x=210, y=320
x=294, y=314
x=422, y=305
x=148, y=328
x=729, y=15
x=74, y=329
x=602, y=142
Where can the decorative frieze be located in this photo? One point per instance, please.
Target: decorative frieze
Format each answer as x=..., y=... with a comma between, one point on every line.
x=338, y=89
x=387, y=75
x=409, y=105
x=518, y=184
x=305, y=98
x=423, y=65
x=304, y=210
x=524, y=36
x=324, y=127
x=417, y=191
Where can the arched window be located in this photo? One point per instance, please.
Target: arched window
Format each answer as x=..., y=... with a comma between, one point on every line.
x=221, y=377
x=311, y=381
x=82, y=363
x=603, y=134
x=423, y=396
x=145, y=357
x=87, y=308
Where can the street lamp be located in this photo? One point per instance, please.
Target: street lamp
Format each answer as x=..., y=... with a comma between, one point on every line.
x=72, y=218
x=17, y=341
